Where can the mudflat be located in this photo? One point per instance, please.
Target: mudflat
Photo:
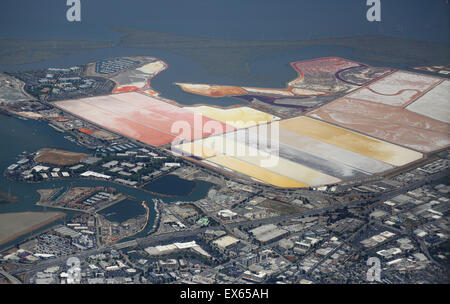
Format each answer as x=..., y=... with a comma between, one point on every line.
x=13, y=225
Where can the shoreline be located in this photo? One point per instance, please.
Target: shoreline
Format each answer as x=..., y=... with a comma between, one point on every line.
x=140, y=188
x=147, y=216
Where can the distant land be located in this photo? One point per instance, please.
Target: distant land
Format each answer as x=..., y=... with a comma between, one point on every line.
x=367, y=48
x=227, y=55
x=19, y=51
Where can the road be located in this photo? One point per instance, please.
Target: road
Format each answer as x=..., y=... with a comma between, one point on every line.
x=146, y=241
x=10, y=277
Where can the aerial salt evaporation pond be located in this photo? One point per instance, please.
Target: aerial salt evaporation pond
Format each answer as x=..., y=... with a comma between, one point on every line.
x=17, y=136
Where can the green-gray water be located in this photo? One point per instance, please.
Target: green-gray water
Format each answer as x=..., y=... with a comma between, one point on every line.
x=18, y=135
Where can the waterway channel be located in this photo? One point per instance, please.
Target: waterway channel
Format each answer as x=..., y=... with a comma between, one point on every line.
x=17, y=136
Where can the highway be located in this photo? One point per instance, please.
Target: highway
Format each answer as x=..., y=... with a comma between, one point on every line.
x=147, y=241
x=10, y=277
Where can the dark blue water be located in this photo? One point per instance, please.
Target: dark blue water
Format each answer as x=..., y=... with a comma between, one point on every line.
x=244, y=20
x=123, y=211
x=236, y=19
x=172, y=185
x=271, y=69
